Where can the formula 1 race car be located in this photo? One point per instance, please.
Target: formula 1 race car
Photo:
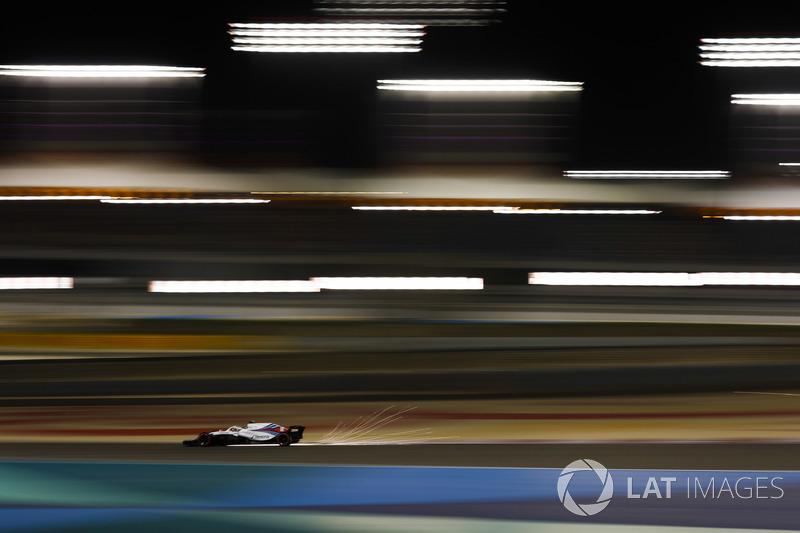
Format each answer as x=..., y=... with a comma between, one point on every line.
x=253, y=433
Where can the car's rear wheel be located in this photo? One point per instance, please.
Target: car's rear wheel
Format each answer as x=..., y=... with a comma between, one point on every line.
x=283, y=439
x=204, y=439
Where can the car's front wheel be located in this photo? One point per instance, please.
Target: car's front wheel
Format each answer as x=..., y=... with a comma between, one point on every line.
x=204, y=439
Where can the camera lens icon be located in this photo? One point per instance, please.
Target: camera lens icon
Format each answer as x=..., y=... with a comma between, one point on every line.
x=585, y=509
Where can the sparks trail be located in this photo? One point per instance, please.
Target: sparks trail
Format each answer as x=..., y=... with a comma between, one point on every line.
x=364, y=428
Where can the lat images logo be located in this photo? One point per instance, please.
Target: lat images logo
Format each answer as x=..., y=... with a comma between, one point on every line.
x=585, y=466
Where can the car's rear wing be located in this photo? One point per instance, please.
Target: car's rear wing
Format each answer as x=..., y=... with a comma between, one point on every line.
x=296, y=432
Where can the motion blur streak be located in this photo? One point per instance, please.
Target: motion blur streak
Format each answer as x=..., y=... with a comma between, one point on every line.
x=233, y=286
x=35, y=283
x=647, y=174
x=652, y=279
x=479, y=85
x=184, y=201
x=316, y=284
x=311, y=37
x=101, y=71
x=413, y=284
x=766, y=99
x=434, y=13
x=493, y=208
x=762, y=218
x=750, y=52
x=788, y=279
x=665, y=279
x=576, y=212
x=54, y=197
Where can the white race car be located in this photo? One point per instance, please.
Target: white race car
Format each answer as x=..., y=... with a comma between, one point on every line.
x=253, y=433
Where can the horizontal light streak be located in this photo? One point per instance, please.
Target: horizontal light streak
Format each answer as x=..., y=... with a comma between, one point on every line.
x=232, y=286
x=326, y=37
x=400, y=283
x=101, y=71
x=16, y=198
x=751, y=278
x=789, y=164
x=35, y=283
x=315, y=285
x=763, y=218
x=766, y=99
x=432, y=208
x=664, y=279
x=577, y=212
x=328, y=193
x=327, y=41
x=632, y=279
x=185, y=201
x=414, y=11
x=734, y=41
x=497, y=85
x=323, y=48
x=439, y=13
x=647, y=174
x=750, y=52
x=327, y=26
x=735, y=56
x=754, y=63
x=329, y=31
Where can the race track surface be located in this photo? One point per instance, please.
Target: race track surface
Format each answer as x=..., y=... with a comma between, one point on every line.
x=691, y=456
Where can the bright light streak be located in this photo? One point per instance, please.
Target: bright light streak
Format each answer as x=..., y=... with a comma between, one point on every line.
x=410, y=284
x=479, y=86
x=439, y=13
x=412, y=10
x=316, y=49
x=327, y=26
x=647, y=174
x=329, y=31
x=328, y=193
x=631, y=279
x=185, y=201
x=232, y=286
x=789, y=164
x=35, y=283
x=750, y=278
x=314, y=285
x=432, y=208
x=764, y=218
x=326, y=41
x=766, y=99
x=664, y=279
x=753, y=64
x=750, y=52
x=52, y=198
x=735, y=56
x=728, y=41
x=101, y=71
x=577, y=212
x=326, y=37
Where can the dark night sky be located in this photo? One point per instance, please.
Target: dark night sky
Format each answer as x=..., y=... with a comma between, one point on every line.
x=645, y=93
